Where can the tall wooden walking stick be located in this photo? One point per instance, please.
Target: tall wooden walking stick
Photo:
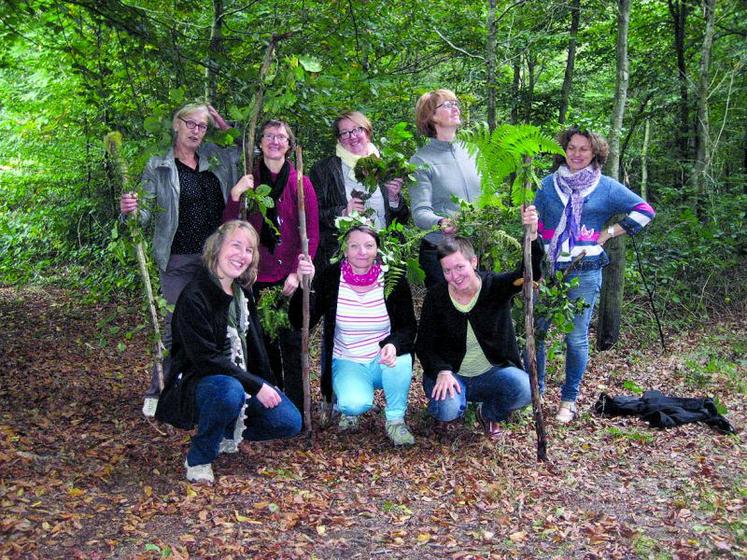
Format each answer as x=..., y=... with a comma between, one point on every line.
x=112, y=143
x=251, y=128
x=528, y=293
x=306, y=287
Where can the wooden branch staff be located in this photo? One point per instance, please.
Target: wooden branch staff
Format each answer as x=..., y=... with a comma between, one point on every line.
x=112, y=142
x=251, y=128
x=528, y=293
x=306, y=287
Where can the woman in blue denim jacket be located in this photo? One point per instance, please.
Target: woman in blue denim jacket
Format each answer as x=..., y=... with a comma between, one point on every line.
x=190, y=185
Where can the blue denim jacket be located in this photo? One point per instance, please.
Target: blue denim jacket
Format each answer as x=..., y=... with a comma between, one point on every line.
x=161, y=181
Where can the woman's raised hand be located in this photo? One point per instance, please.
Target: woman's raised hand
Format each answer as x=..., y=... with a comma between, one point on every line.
x=529, y=217
x=305, y=266
x=128, y=203
x=220, y=122
x=244, y=184
x=354, y=205
x=394, y=188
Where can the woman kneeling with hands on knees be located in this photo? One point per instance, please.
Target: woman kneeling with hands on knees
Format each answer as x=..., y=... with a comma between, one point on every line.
x=466, y=342
x=373, y=333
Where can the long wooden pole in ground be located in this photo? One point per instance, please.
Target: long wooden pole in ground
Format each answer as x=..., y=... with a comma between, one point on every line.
x=251, y=128
x=528, y=293
x=306, y=287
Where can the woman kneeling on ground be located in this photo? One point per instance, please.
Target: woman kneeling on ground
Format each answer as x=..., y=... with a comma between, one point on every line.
x=466, y=342
x=373, y=334
x=220, y=374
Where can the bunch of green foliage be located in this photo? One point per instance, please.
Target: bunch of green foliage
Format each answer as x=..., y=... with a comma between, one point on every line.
x=272, y=309
x=375, y=170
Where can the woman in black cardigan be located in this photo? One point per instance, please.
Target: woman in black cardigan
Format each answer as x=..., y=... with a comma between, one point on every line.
x=466, y=342
x=334, y=181
x=372, y=335
x=218, y=358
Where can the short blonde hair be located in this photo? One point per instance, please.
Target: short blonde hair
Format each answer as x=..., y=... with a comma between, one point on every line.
x=426, y=107
x=357, y=117
x=191, y=109
x=214, y=244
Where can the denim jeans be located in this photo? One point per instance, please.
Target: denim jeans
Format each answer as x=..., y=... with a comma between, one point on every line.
x=354, y=385
x=577, y=341
x=218, y=400
x=501, y=389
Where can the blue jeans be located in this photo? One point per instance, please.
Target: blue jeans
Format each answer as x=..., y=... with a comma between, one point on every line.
x=500, y=390
x=354, y=385
x=218, y=400
x=577, y=341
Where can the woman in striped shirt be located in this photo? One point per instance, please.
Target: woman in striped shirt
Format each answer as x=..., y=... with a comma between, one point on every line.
x=373, y=334
x=574, y=204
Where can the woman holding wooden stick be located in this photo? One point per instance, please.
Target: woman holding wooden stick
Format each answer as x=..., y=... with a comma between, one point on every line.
x=466, y=342
x=372, y=333
x=574, y=204
x=280, y=241
x=190, y=185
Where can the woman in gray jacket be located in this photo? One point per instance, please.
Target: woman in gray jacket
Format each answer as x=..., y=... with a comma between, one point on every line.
x=190, y=185
x=445, y=169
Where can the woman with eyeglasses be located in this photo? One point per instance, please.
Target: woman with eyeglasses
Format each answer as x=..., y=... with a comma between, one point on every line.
x=445, y=169
x=334, y=180
x=280, y=243
x=190, y=185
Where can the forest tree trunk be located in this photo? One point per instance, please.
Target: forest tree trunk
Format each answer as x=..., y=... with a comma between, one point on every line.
x=213, y=53
x=610, y=299
x=565, y=92
x=490, y=58
x=702, y=156
x=678, y=10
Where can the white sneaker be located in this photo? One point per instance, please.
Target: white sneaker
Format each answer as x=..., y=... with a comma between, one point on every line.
x=567, y=412
x=149, y=406
x=200, y=473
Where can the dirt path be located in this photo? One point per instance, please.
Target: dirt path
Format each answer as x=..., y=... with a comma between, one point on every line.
x=82, y=475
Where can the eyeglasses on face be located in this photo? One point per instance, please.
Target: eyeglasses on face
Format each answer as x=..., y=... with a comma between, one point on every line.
x=357, y=131
x=191, y=125
x=281, y=138
x=449, y=105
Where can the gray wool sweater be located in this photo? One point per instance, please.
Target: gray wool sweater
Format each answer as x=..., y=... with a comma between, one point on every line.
x=445, y=169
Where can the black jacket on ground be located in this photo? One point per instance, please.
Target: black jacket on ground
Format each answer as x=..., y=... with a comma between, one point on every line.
x=329, y=183
x=199, y=327
x=323, y=301
x=664, y=412
x=442, y=337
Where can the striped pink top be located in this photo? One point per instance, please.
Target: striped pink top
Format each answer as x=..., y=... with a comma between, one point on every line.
x=361, y=323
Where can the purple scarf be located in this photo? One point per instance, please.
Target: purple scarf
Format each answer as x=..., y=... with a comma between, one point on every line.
x=576, y=186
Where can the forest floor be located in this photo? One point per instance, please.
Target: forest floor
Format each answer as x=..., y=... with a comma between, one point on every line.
x=83, y=475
